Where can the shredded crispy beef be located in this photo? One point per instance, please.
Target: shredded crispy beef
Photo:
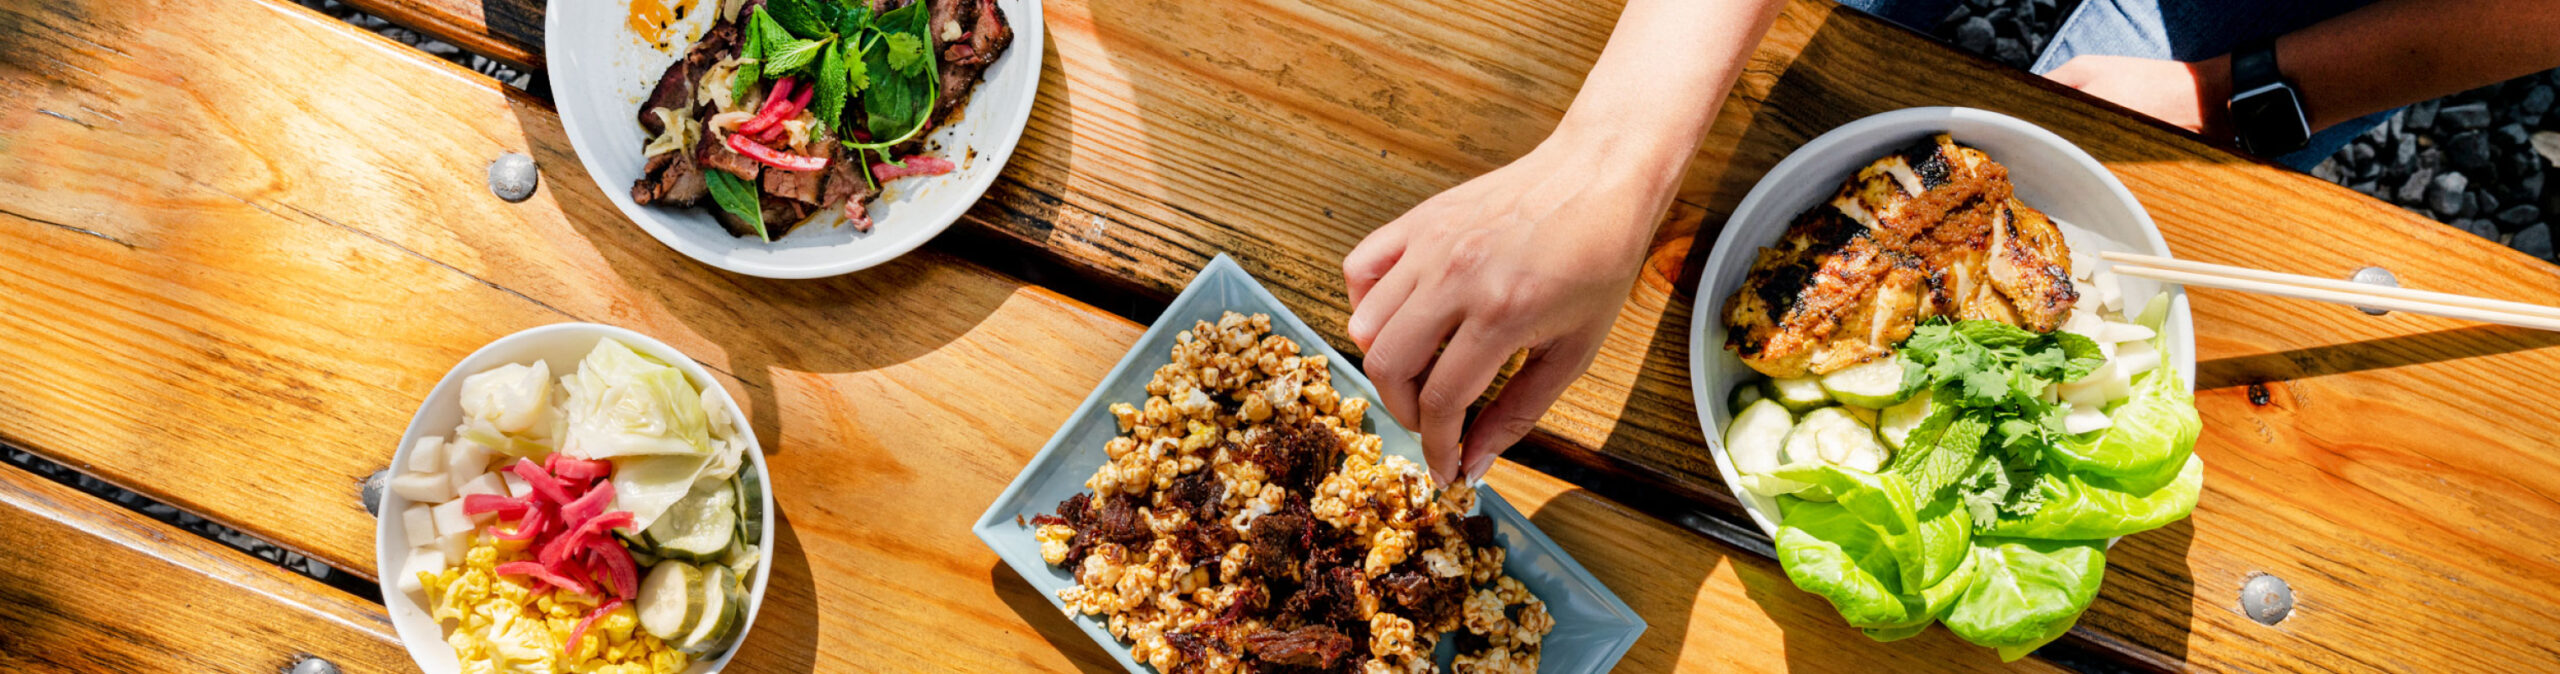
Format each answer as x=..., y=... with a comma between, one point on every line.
x=1295, y=455
x=1119, y=522
x=1426, y=599
x=1478, y=529
x=1274, y=544
x=1311, y=646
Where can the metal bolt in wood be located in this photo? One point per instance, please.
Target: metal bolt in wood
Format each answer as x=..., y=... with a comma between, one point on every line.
x=2267, y=599
x=513, y=176
x=2375, y=276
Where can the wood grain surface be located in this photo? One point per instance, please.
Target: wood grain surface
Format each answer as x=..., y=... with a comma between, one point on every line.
x=88, y=586
x=2377, y=464
x=232, y=279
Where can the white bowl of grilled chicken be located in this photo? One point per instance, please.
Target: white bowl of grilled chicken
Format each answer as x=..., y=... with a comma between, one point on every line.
x=1810, y=310
x=608, y=60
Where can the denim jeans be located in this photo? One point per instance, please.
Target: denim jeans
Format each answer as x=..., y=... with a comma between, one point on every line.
x=2178, y=30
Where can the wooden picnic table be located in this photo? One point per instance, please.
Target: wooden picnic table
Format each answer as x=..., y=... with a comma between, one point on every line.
x=237, y=259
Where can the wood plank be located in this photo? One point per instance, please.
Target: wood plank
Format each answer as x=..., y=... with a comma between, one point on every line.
x=86, y=586
x=222, y=298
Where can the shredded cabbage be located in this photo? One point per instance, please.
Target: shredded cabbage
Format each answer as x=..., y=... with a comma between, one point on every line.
x=624, y=404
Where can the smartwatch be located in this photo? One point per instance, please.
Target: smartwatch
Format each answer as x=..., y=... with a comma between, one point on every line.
x=2266, y=110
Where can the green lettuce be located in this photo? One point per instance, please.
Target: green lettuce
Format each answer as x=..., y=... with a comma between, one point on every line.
x=2153, y=434
x=2027, y=592
x=1925, y=549
x=2079, y=506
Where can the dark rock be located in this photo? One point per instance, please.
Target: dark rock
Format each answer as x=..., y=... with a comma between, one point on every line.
x=2405, y=152
x=1975, y=35
x=2359, y=154
x=2009, y=50
x=2534, y=241
x=2328, y=170
x=2483, y=203
x=2371, y=189
x=2468, y=151
x=2513, y=136
x=2422, y=116
x=2445, y=194
x=2530, y=185
x=2383, y=132
x=2001, y=15
x=2414, y=190
x=2520, y=215
x=2478, y=228
x=2537, y=100
x=2035, y=44
x=2472, y=115
x=2431, y=158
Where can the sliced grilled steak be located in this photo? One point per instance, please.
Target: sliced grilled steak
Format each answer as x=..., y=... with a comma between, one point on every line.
x=675, y=87
x=800, y=186
x=971, y=33
x=845, y=186
x=670, y=179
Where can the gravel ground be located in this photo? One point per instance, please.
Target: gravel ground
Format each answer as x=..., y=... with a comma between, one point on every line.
x=2468, y=160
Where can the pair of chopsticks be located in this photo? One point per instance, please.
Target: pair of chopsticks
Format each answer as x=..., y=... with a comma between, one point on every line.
x=2349, y=293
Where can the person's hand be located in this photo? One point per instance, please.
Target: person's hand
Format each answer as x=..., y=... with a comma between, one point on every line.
x=2193, y=96
x=1536, y=255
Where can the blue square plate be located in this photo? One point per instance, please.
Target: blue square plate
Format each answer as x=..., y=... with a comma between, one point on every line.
x=1593, y=628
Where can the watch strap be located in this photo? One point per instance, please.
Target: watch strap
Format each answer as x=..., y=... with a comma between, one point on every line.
x=2253, y=65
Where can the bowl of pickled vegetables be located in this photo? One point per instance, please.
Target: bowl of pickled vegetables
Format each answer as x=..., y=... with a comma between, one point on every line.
x=575, y=497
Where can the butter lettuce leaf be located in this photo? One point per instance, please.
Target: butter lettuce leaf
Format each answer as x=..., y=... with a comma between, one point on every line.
x=2027, y=592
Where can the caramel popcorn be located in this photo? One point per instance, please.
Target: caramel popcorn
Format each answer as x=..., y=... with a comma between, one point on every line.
x=1245, y=521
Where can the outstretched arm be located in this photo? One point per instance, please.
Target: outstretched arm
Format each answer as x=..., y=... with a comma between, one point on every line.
x=2378, y=57
x=1539, y=254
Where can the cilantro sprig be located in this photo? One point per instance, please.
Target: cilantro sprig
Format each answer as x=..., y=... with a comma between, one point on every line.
x=1989, y=424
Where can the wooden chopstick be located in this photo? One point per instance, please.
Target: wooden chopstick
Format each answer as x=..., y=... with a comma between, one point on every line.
x=2341, y=292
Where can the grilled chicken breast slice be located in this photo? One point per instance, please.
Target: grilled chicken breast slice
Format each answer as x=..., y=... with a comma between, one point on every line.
x=1930, y=231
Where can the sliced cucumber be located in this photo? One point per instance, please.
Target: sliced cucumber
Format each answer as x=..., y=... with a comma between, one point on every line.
x=671, y=600
x=1799, y=395
x=1898, y=420
x=750, y=504
x=724, y=607
x=1744, y=394
x=1753, y=442
x=1865, y=415
x=1831, y=436
x=1875, y=384
x=698, y=527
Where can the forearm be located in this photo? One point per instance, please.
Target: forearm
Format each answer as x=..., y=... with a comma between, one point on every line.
x=2396, y=52
x=1648, y=101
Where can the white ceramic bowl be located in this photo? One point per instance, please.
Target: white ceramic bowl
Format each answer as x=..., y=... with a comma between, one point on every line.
x=601, y=71
x=562, y=345
x=2050, y=174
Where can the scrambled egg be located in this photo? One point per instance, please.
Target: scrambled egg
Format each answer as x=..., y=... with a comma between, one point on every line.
x=497, y=624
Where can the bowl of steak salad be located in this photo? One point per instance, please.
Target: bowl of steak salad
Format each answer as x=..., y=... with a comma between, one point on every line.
x=795, y=138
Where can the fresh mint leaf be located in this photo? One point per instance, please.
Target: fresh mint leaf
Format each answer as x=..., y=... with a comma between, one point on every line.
x=751, y=58
x=767, y=34
x=848, y=19
x=734, y=195
x=906, y=52
x=792, y=55
x=832, y=80
x=807, y=19
x=1995, y=334
x=2081, y=355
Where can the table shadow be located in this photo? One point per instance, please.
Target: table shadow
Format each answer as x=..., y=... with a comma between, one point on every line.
x=784, y=637
x=2372, y=354
x=1061, y=633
